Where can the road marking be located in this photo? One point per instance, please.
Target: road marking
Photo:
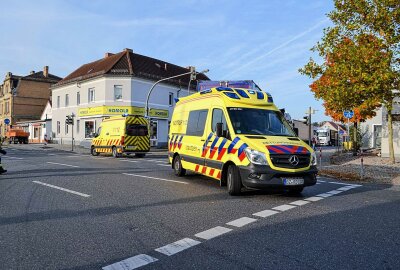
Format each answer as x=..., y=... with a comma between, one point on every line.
x=61, y=164
x=165, y=165
x=321, y=181
x=284, y=207
x=324, y=195
x=12, y=157
x=127, y=160
x=240, y=222
x=314, y=199
x=76, y=156
x=63, y=189
x=214, y=232
x=345, y=188
x=265, y=213
x=299, y=202
x=334, y=192
x=131, y=263
x=156, y=160
x=338, y=183
x=156, y=178
x=177, y=246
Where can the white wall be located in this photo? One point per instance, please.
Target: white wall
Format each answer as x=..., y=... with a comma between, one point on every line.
x=396, y=132
x=367, y=129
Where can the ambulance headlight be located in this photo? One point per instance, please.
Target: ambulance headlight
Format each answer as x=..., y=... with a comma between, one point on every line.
x=256, y=157
x=313, y=159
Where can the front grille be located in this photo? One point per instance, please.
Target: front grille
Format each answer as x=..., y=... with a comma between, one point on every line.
x=282, y=160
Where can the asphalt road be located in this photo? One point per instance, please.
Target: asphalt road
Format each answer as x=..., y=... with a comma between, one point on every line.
x=60, y=210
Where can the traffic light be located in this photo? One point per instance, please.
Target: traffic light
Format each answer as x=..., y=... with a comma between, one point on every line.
x=69, y=120
x=193, y=74
x=306, y=119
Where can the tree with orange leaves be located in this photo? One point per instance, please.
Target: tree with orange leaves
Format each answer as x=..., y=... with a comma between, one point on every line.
x=361, y=67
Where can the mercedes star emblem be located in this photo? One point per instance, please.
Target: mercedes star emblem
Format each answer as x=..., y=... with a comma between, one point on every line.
x=294, y=160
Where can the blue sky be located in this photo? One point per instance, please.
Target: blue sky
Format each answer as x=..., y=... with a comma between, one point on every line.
x=267, y=41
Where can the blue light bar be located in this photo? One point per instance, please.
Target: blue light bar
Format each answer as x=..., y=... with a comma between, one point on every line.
x=224, y=89
x=242, y=93
x=260, y=95
x=246, y=84
x=231, y=95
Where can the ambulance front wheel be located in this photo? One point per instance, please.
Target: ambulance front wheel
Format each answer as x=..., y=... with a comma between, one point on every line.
x=178, y=169
x=233, y=180
x=93, y=151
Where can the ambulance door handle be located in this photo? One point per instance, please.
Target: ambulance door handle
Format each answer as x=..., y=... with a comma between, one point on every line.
x=203, y=140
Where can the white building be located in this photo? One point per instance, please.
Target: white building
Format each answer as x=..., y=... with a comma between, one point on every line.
x=114, y=85
x=376, y=133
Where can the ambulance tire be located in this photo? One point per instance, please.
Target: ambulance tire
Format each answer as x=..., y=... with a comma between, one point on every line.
x=178, y=169
x=115, y=152
x=93, y=151
x=233, y=180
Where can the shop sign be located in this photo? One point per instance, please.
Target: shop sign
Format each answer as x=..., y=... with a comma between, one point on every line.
x=119, y=110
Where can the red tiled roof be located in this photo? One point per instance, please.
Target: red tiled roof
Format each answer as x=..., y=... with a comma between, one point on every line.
x=129, y=63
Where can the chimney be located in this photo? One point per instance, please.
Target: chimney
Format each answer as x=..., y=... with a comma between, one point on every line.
x=46, y=71
x=128, y=50
x=108, y=54
x=32, y=72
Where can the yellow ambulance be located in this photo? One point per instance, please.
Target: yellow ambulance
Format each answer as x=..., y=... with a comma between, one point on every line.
x=233, y=132
x=122, y=134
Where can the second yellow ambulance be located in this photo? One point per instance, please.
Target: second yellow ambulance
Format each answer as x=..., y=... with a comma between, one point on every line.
x=235, y=134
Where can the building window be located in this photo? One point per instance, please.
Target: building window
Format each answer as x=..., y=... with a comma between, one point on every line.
x=91, y=95
x=117, y=92
x=78, y=98
x=77, y=126
x=90, y=128
x=58, y=101
x=66, y=100
x=171, y=99
x=58, y=127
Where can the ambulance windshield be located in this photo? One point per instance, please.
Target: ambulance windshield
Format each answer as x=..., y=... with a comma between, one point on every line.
x=259, y=122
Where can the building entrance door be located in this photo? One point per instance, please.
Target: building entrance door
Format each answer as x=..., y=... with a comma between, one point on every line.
x=377, y=136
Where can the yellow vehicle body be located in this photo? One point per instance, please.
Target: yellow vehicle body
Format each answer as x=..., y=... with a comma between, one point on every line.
x=122, y=134
x=200, y=149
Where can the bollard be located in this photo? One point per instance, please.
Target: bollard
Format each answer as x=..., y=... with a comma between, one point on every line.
x=362, y=168
x=320, y=156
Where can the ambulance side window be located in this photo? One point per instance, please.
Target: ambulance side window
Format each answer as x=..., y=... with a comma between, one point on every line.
x=196, y=123
x=218, y=117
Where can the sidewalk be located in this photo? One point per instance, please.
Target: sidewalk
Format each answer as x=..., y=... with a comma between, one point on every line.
x=375, y=169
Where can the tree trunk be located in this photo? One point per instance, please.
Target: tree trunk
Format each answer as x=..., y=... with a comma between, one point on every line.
x=355, y=138
x=390, y=139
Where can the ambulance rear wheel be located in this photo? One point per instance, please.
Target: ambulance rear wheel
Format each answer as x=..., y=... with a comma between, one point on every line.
x=115, y=152
x=178, y=169
x=93, y=151
x=233, y=180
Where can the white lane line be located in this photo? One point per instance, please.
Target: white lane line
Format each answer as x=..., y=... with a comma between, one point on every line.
x=338, y=183
x=11, y=157
x=240, y=222
x=314, y=199
x=284, y=207
x=214, y=232
x=265, y=213
x=324, y=195
x=127, y=160
x=131, y=263
x=63, y=189
x=155, y=178
x=334, y=192
x=177, y=246
x=165, y=165
x=345, y=188
x=300, y=202
x=321, y=181
x=61, y=164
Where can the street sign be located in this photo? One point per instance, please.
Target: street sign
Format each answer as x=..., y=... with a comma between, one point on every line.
x=341, y=132
x=348, y=114
x=7, y=121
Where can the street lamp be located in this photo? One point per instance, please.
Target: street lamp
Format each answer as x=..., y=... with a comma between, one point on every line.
x=165, y=79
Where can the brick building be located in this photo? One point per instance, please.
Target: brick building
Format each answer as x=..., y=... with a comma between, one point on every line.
x=23, y=98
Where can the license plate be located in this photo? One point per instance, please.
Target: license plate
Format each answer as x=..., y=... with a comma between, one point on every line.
x=133, y=147
x=293, y=181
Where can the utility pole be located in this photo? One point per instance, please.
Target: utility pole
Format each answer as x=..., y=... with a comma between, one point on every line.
x=309, y=122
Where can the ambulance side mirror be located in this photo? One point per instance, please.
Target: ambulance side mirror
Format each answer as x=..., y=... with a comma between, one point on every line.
x=95, y=135
x=219, y=130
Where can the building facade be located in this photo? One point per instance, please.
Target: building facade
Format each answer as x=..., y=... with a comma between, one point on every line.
x=114, y=85
x=23, y=98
